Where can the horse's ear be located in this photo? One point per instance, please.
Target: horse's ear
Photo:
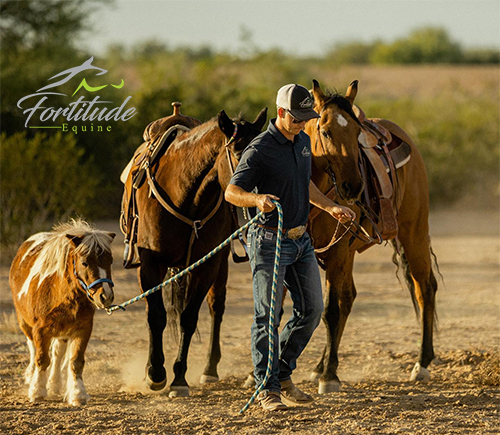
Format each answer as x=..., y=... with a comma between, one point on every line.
x=318, y=94
x=76, y=240
x=352, y=91
x=225, y=123
x=261, y=119
x=112, y=235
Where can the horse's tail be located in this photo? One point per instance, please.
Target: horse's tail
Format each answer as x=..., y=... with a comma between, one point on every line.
x=399, y=259
x=175, y=302
x=401, y=262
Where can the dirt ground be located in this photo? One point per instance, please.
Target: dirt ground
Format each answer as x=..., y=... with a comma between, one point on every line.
x=378, y=351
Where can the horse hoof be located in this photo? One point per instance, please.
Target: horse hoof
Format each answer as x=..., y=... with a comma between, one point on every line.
x=249, y=382
x=314, y=377
x=207, y=379
x=155, y=386
x=328, y=387
x=420, y=374
x=178, y=391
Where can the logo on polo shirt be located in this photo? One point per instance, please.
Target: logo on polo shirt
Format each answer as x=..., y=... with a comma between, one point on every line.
x=305, y=152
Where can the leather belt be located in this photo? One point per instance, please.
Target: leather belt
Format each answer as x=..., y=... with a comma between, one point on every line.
x=290, y=233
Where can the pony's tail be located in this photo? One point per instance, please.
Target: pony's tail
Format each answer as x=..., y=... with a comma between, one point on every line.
x=175, y=302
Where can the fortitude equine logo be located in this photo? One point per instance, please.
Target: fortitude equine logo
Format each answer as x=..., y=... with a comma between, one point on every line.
x=79, y=110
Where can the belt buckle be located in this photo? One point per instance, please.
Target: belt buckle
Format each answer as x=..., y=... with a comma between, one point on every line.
x=296, y=233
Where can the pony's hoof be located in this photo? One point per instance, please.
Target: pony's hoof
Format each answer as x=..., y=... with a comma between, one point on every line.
x=54, y=390
x=328, y=387
x=178, y=391
x=249, y=382
x=155, y=386
x=420, y=374
x=207, y=379
x=35, y=399
x=314, y=377
x=37, y=395
x=78, y=402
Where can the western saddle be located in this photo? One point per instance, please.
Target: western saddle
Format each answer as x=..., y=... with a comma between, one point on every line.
x=157, y=136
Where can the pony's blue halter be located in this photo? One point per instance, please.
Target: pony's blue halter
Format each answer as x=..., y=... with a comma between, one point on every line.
x=86, y=287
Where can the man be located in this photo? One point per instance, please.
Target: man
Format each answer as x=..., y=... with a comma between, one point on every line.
x=277, y=165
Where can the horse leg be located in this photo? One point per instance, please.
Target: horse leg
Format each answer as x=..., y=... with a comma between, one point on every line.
x=339, y=298
x=197, y=291
x=41, y=344
x=28, y=332
x=58, y=349
x=424, y=285
x=318, y=370
x=149, y=277
x=76, y=394
x=216, y=303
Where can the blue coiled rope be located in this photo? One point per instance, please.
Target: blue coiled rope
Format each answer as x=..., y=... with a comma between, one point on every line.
x=272, y=309
x=226, y=242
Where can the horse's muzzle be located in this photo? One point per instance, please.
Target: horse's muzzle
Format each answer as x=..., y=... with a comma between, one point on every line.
x=350, y=191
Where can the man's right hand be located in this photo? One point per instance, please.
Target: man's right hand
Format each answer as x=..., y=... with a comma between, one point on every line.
x=241, y=198
x=265, y=202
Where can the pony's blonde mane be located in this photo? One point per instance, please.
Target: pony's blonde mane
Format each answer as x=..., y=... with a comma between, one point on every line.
x=53, y=256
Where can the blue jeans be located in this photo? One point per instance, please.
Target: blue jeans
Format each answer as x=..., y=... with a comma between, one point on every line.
x=299, y=272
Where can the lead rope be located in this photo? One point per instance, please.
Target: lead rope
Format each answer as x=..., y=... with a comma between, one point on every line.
x=272, y=309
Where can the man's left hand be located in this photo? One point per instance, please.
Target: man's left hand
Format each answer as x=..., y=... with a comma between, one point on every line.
x=342, y=214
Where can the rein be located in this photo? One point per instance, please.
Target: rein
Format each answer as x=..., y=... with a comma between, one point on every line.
x=273, y=296
x=89, y=287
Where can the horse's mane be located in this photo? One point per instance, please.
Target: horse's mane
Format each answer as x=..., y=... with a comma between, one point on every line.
x=341, y=102
x=53, y=256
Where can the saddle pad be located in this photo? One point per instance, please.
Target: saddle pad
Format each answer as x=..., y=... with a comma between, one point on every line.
x=401, y=155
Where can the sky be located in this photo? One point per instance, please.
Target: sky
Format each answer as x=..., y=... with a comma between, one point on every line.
x=295, y=26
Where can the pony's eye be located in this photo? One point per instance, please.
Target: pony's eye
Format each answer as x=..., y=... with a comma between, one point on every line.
x=325, y=133
x=85, y=264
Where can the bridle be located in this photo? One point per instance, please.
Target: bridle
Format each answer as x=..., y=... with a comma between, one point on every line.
x=229, y=151
x=364, y=236
x=89, y=287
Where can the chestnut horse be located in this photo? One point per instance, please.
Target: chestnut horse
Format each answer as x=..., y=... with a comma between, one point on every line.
x=57, y=280
x=190, y=179
x=336, y=159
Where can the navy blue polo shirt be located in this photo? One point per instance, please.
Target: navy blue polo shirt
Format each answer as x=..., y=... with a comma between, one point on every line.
x=272, y=164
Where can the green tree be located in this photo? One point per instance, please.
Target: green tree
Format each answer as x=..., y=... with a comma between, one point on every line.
x=44, y=178
x=354, y=52
x=426, y=45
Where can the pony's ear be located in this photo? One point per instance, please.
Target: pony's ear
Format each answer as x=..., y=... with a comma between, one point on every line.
x=112, y=235
x=317, y=92
x=261, y=119
x=352, y=91
x=76, y=240
x=225, y=123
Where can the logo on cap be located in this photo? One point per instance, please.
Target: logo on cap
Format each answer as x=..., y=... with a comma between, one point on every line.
x=306, y=103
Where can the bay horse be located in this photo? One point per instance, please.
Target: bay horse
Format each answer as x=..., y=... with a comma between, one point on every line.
x=189, y=180
x=336, y=166
x=58, y=279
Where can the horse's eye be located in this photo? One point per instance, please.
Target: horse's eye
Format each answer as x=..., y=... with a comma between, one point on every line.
x=85, y=264
x=325, y=133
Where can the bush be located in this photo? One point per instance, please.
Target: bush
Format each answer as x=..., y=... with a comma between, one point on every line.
x=458, y=141
x=44, y=179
